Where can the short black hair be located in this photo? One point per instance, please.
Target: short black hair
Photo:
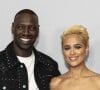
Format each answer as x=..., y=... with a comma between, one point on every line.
x=29, y=11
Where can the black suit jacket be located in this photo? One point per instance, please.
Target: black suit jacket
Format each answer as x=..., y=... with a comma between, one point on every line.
x=13, y=74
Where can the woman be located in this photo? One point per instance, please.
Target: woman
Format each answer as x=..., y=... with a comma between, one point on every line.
x=75, y=47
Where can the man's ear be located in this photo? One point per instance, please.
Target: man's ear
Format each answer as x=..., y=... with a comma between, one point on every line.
x=12, y=28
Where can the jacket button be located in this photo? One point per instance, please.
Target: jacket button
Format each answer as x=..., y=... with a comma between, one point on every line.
x=4, y=88
x=21, y=66
x=24, y=86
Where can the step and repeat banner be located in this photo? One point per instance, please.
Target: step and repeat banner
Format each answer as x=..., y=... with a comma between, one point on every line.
x=54, y=17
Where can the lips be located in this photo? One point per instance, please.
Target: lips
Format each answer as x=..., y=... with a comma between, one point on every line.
x=25, y=40
x=73, y=58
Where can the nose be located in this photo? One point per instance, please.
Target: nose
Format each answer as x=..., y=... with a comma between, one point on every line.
x=26, y=31
x=72, y=51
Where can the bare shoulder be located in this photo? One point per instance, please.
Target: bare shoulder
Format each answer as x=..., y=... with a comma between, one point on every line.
x=56, y=81
x=96, y=79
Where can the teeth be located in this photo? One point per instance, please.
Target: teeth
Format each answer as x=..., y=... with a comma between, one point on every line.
x=73, y=58
x=23, y=39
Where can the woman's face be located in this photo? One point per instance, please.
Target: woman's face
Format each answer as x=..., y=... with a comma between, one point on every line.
x=74, y=50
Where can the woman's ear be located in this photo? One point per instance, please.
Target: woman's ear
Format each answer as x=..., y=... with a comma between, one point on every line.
x=87, y=50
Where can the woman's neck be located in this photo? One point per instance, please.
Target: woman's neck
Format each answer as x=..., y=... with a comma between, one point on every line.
x=78, y=72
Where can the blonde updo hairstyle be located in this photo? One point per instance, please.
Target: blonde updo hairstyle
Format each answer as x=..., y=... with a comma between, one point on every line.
x=79, y=30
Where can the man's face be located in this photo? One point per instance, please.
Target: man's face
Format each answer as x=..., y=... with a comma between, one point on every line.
x=25, y=30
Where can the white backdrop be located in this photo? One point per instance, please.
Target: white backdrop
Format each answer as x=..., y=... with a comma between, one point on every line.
x=54, y=17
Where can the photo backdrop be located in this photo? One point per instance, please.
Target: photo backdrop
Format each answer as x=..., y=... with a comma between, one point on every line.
x=54, y=17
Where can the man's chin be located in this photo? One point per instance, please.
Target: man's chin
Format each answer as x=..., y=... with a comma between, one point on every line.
x=26, y=47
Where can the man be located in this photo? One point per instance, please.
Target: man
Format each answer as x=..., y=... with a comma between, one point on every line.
x=22, y=67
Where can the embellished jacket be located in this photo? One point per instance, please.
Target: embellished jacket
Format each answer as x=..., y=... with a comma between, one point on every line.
x=14, y=76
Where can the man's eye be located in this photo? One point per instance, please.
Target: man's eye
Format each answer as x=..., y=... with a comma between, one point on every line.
x=33, y=28
x=20, y=27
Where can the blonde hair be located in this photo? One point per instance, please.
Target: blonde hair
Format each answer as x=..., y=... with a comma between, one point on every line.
x=79, y=30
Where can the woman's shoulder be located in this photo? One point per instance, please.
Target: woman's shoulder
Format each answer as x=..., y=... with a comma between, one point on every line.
x=57, y=80
x=95, y=78
x=54, y=83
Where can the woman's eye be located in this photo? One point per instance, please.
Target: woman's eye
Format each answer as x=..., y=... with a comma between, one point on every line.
x=78, y=47
x=66, y=48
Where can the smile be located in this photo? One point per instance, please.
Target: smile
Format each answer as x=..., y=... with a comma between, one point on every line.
x=73, y=58
x=25, y=40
